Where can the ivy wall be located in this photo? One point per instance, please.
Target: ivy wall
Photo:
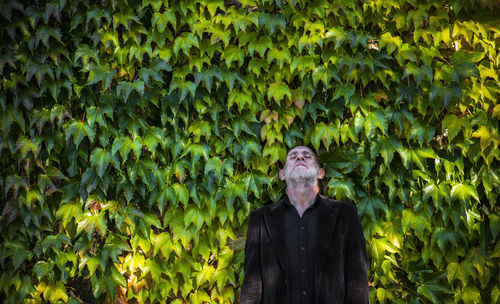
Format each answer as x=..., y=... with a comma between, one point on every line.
x=136, y=136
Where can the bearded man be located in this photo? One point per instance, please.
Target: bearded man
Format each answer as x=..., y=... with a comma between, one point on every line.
x=304, y=248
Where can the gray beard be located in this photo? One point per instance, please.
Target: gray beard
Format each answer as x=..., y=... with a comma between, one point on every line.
x=301, y=177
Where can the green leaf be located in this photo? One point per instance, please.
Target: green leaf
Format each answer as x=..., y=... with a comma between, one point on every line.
x=204, y=275
x=153, y=267
x=383, y=295
x=495, y=112
x=154, y=72
x=181, y=193
x=386, y=149
x=56, y=292
x=496, y=251
x=272, y=22
x=463, y=63
x=433, y=285
x=281, y=56
x=254, y=181
x=118, y=277
x=207, y=76
x=18, y=251
x=200, y=128
x=162, y=19
x=342, y=188
x=90, y=222
x=41, y=269
x=32, y=196
x=453, y=124
x=344, y=91
x=232, y=190
x=9, y=115
x=302, y=64
x=390, y=42
x=427, y=153
x=337, y=34
x=246, y=149
x=233, y=53
x=214, y=165
x=100, y=159
x=53, y=241
x=423, y=133
x=78, y=130
x=25, y=145
x=192, y=216
x=151, y=140
x=471, y=295
x=326, y=133
x=370, y=206
x=97, y=114
x=379, y=246
x=184, y=87
x=407, y=220
x=278, y=91
x=463, y=192
x=460, y=271
x=142, y=168
x=486, y=137
x=441, y=236
x=114, y=248
x=199, y=297
x=261, y=44
x=100, y=74
x=431, y=190
x=152, y=220
x=373, y=120
x=163, y=243
x=185, y=42
x=126, y=88
x=275, y=151
x=85, y=52
x=124, y=144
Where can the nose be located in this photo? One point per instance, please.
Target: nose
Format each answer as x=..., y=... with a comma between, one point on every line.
x=300, y=156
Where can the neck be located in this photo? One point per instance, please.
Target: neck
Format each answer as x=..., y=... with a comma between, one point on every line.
x=302, y=196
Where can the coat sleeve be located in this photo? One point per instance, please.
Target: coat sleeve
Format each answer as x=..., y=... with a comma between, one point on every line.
x=356, y=263
x=251, y=289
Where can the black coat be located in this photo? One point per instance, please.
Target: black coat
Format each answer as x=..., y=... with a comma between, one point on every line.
x=341, y=266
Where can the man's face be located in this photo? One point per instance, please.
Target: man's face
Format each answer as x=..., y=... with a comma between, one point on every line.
x=301, y=167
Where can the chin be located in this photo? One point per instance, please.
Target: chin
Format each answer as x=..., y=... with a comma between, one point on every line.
x=303, y=177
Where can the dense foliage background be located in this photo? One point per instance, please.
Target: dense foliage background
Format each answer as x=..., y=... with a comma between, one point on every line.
x=136, y=136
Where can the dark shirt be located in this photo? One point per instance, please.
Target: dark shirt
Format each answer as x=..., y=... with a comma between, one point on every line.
x=300, y=242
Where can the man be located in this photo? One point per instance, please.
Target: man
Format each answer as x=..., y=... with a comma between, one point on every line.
x=305, y=248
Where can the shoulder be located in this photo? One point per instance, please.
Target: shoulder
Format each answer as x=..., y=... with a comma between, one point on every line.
x=259, y=212
x=342, y=206
x=269, y=210
x=272, y=207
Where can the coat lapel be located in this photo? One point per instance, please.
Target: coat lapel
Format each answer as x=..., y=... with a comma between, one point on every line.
x=274, y=219
x=327, y=218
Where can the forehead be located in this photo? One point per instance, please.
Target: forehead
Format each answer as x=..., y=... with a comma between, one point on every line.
x=300, y=149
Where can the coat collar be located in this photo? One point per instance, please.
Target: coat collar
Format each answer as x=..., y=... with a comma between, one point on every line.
x=274, y=218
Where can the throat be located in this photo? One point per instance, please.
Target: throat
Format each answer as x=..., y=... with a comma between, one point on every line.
x=302, y=198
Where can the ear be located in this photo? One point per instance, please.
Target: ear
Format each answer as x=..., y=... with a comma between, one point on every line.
x=321, y=173
x=282, y=175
